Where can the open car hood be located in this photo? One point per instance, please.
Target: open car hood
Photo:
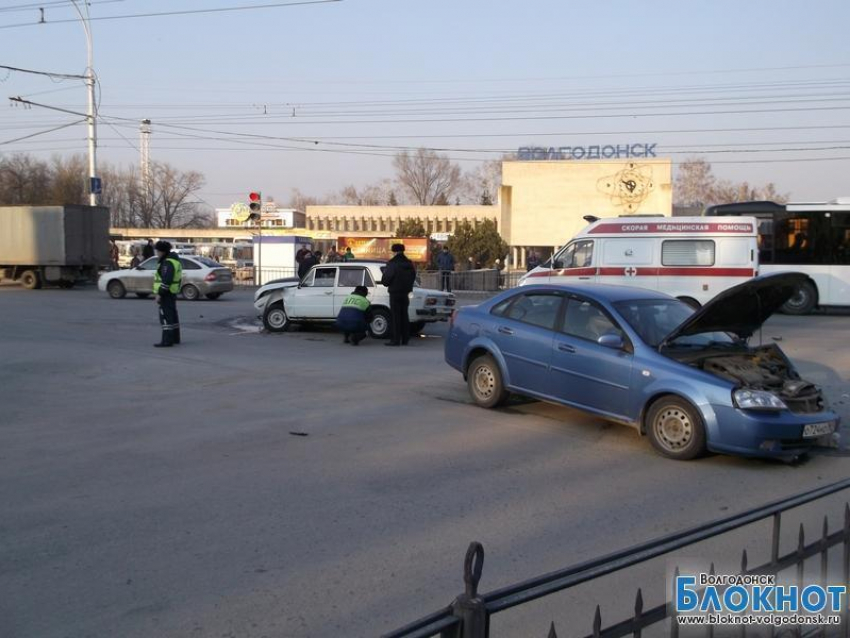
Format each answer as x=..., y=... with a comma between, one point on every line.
x=742, y=309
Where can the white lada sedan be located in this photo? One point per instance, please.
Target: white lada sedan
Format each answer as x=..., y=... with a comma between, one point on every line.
x=319, y=296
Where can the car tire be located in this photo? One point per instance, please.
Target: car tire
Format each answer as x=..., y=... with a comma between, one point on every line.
x=693, y=303
x=116, y=289
x=30, y=280
x=803, y=301
x=380, y=323
x=143, y=295
x=212, y=296
x=484, y=380
x=191, y=292
x=275, y=318
x=675, y=428
x=417, y=327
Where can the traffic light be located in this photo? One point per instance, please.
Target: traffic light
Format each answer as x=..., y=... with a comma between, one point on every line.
x=255, y=204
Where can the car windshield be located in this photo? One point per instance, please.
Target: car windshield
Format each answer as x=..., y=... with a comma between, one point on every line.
x=654, y=319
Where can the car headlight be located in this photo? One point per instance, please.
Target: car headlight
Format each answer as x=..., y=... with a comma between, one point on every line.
x=757, y=400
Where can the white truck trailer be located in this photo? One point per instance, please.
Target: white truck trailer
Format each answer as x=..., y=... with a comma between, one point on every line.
x=56, y=245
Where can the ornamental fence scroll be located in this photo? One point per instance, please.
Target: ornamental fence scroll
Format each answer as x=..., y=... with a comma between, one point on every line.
x=470, y=613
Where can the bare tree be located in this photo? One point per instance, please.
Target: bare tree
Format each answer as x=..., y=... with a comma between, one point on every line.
x=426, y=176
x=23, y=180
x=69, y=182
x=481, y=184
x=696, y=185
x=172, y=197
x=300, y=201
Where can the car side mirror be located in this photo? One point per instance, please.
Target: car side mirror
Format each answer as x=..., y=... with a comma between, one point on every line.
x=613, y=341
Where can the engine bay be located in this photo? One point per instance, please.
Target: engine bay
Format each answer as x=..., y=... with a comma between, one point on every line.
x=765, y=368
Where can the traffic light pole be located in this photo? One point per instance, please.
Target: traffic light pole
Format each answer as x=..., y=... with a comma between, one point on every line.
x=260, y=255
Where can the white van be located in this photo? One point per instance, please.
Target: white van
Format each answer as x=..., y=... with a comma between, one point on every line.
x=692, y=258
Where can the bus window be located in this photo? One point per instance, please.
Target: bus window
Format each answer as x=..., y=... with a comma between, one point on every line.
x=801, y=238
x=841, y=238
x=765, y=239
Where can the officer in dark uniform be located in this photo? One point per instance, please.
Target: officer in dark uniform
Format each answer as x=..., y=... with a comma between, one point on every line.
x=399, y=277
x=166, y=285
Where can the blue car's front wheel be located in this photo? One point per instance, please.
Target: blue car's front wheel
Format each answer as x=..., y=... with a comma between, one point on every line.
x=484, y=379
x=675, y=428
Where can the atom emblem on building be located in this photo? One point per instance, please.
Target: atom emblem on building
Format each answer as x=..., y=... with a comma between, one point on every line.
x=629, y=187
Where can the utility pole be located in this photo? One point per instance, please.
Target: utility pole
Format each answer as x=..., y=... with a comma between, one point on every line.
x=145, y=150
x=94, y=181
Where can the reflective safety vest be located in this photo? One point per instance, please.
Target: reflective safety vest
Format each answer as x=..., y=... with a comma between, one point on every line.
x=356, y=301
x=174, y=288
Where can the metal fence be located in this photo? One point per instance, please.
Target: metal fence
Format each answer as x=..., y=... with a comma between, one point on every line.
x=480, y=280
x=252, y=276
x=469, y=615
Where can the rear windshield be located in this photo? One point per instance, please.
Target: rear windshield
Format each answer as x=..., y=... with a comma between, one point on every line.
x=206, y=261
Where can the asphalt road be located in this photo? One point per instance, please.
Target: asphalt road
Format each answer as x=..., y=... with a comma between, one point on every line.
x=247, y=485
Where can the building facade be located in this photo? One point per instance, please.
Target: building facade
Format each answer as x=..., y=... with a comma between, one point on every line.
x=541, y=204
x=385, y=220
x=271, y=216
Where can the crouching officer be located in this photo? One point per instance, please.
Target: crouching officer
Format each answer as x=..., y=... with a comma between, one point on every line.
x=351, y=319
x=166, y=285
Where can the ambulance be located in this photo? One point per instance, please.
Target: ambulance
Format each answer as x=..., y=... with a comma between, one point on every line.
x=692, y=258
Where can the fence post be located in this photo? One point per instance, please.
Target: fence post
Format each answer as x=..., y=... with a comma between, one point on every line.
x=469, y=607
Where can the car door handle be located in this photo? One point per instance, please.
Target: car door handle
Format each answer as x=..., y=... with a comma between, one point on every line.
x=584, y=277
x=506, y=331
x=329, y=292
x=565, y=347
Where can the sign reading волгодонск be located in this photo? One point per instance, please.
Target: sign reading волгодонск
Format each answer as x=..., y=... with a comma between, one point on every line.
x=596, y=151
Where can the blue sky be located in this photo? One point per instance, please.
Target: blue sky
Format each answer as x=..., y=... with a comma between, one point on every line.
x=651, y=64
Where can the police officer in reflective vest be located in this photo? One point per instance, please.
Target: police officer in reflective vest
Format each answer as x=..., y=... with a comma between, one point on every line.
x=166, y=285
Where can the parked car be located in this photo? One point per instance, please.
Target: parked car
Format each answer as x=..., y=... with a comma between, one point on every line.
x=318, y=297
x=201, y=277
x=686, y=378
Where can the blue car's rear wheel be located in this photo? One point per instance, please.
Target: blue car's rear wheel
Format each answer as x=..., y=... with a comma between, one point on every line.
x=485, y=382
x=675, y=428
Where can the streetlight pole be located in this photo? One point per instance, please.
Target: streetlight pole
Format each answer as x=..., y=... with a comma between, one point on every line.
x=92, y=110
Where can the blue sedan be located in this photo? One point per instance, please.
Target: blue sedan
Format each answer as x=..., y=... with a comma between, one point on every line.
x=688, y=379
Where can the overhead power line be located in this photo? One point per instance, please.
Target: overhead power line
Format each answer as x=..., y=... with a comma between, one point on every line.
x=64, y=76
x=50, y=130
x=161, y=14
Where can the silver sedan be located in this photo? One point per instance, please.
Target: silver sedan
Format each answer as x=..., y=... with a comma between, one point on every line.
x=201, y=277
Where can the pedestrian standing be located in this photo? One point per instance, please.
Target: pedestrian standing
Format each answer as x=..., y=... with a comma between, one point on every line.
x=333, y=256
x=301, y=254
x=147, y=250
x=445, y=264
x=113, y=254
x=307, y=262
x=351, y=319
x=135, y=261
x=399, y=277
x=532, y=261
x=348, y=255
x=166, y=285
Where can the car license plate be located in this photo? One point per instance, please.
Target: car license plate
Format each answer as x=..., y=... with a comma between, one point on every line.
x=818, y=429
